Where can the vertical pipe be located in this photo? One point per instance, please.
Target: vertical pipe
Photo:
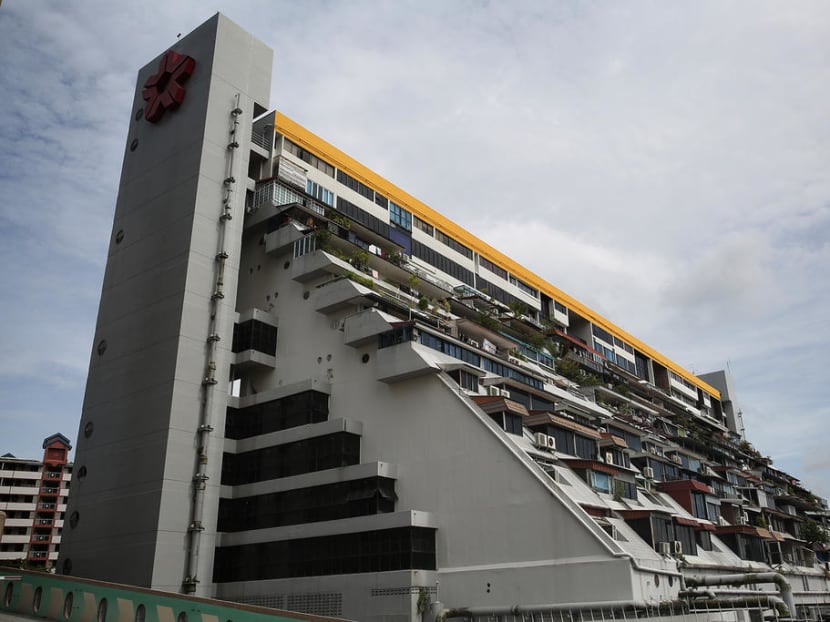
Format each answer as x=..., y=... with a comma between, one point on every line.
x=209, y=381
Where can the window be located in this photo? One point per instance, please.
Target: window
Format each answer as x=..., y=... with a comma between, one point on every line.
x=423, y=226
x=361, y=188
x=287, y=412
x=381, y=200
x=400, y=217
x=602, y=334
x=437, y=260
x=585, y=447
x=320, y=193
x=527, y=289
x=508, y=372
x=465, y=379
x=601, y=482
x=489, y=265
x=497, y=293
x=513, y=424
x=686, y=536
x=362, y=217
x=699, y=505
x=401, y=548
x=451, y=349
x=633, y=441
x=625, y=489
x=361, y=497
x=304, y=456
x=662, y=531
x=308, y=157
x=255, y=335
x=456, y=246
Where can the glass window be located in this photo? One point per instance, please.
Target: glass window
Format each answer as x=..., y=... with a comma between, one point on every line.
x=489, y=265
x=361, y=188
x=442, y=263
x=308, y=157
x=456, y=246
x=320, y=193
x=585, y=447
x=600, y=482
x=400, y=216
x=423, y=226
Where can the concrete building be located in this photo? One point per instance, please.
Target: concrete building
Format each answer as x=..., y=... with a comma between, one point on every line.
x=33, y=503
x=309, y=390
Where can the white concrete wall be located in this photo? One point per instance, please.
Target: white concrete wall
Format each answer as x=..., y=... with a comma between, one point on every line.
x=144, y=393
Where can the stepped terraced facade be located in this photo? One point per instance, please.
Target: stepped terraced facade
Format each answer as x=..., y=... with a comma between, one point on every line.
x=309, y=390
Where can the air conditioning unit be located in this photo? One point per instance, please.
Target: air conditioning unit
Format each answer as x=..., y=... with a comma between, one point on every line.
x=551, y=442
x=505, y=393
x=676, y=459
x=648, y=472
x=677, y=547
x=493, y=390
x=541, y=439
x=665, y=548
x=741, y=520
x=474, y=343
x=609, y=457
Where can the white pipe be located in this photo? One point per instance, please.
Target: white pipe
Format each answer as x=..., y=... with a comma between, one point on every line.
x=196, y=527
x=608, y=604
x=767, y=600
x=748, y=578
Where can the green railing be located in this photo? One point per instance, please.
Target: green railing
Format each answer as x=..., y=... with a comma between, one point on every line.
x=68, y=599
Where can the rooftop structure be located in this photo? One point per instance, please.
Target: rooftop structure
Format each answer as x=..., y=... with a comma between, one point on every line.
x=307, y=386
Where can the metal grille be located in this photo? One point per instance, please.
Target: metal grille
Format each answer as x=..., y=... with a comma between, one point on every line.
x=402, y=591
x=315, y=603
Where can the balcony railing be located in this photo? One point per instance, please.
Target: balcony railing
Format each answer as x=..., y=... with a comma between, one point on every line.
x=261, y=139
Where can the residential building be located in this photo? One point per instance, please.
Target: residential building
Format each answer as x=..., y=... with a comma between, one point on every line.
x=33, y=498
x=310, y=390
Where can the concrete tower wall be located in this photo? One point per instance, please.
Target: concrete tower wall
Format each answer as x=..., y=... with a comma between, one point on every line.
x=139, y=438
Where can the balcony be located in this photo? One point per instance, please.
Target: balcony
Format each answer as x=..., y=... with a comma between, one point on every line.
x=262, y=139
x=311, y=263
x=255, y=339
x=341, y=294
x=404, y=361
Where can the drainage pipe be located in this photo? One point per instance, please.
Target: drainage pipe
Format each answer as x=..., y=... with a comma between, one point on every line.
x=200, y=478
x=608, y=604
x=748, y=578
x=760, y=600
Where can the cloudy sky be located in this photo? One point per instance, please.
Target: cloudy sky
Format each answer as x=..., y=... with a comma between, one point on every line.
x=666, y=163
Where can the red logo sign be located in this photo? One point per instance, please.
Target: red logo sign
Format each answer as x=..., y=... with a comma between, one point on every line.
x=163, y=90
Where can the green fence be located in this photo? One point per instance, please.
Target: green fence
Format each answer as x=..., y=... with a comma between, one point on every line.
x=67, y=599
